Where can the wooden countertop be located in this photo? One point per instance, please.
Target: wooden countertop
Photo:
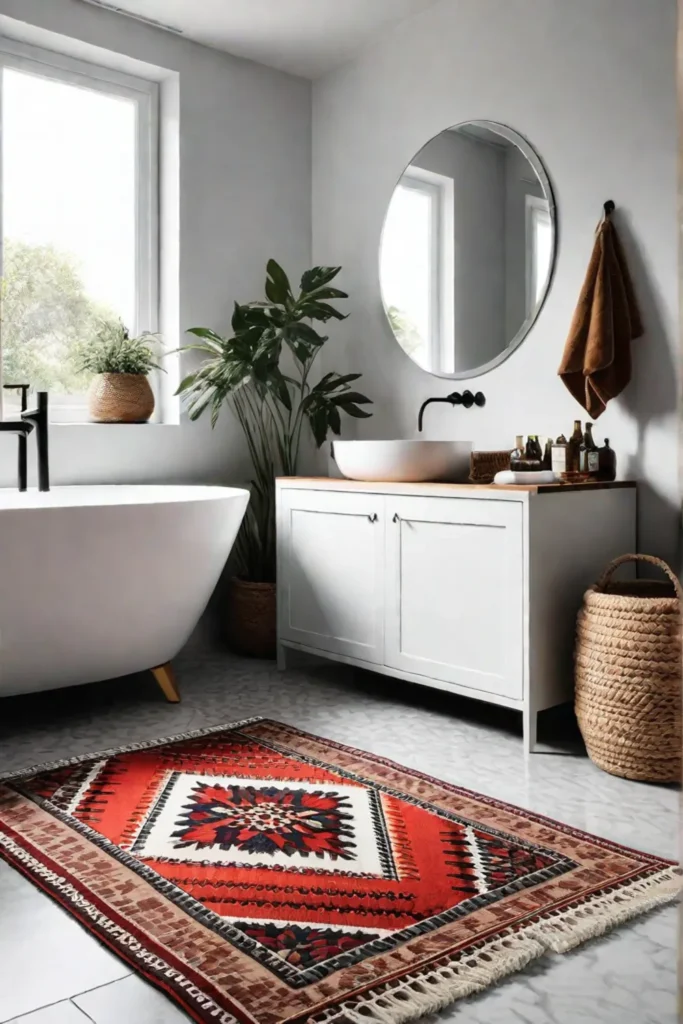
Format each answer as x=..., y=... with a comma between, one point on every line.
x=440, y=488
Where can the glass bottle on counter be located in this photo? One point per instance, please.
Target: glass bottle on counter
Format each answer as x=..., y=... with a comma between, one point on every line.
x=607, y=462
x=533, y=458
x=534, y=452
x=589, y=458
x=560, y=456
x=518, y=455
x=527, y=458
x=573, y=448
x=548, y=454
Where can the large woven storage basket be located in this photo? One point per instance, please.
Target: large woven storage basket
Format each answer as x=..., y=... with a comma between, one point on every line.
x=628, y=674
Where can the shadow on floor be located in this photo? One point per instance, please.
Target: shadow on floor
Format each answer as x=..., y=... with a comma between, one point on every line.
x=138, y=696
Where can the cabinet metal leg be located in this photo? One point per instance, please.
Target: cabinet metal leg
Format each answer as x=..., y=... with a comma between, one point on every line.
x=530, y=725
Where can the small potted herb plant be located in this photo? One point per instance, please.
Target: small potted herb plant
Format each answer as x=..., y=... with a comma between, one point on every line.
x=120, y=391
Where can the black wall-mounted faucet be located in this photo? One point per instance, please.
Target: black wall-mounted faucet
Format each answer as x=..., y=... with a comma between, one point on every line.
x=30, y=419
x=466, y=398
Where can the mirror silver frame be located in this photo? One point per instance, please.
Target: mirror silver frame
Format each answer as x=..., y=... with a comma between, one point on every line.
x=536, y=163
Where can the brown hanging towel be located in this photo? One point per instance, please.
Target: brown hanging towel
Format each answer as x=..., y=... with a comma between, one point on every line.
x=596, y=364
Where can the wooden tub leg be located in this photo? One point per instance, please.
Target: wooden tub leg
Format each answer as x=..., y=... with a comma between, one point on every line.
x=166, y=680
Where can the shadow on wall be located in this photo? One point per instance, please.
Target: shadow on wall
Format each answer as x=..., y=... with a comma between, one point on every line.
x=652, y=364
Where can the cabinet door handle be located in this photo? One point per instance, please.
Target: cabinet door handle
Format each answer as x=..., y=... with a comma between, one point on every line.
x=397, y=518
x=373, y=518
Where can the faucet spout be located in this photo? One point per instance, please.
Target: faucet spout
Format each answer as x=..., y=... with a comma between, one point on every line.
x=420, y=416
x=466, y=398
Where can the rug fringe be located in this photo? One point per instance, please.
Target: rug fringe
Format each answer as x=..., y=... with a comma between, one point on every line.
x=568, y=928
x=439, y=987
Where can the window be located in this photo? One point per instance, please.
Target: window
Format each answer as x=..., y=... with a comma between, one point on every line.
x=417, y=266
x=79, y=193
x=539, y=241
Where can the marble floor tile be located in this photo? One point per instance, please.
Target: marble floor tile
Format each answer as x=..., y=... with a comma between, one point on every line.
x=129, y=1000
x=58, y=1013
x=45, y=956
x=627, y=977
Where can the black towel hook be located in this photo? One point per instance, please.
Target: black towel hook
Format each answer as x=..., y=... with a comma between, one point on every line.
x=609, y=207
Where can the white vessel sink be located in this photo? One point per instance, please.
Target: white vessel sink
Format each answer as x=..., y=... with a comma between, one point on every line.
x=404, y=461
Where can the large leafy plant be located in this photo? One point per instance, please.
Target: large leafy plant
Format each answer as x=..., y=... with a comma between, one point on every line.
x=273, y=407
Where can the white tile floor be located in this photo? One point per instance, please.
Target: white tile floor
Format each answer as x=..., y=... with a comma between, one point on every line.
x=54, y=972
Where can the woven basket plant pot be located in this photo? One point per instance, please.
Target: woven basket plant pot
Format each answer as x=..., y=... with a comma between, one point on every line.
x=628, y=674
x=120, y=398
x=252, y=618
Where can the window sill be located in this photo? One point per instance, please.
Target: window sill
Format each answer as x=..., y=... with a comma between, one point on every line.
x=90, y=423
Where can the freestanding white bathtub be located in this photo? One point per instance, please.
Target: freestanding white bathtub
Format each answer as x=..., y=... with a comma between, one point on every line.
x=99, y=582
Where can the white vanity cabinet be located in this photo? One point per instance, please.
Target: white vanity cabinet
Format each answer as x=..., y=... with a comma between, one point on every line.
x=454, y=592
x=331, y=555
x=465, y=588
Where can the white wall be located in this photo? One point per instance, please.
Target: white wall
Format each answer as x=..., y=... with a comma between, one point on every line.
x=592, y=84
x=244, y=196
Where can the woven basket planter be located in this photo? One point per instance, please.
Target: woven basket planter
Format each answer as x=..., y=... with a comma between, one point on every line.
x=120, y=398
x=628, y=674
x=252, y=618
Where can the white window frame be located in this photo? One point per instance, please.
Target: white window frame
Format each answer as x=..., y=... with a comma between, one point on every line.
x=536, y=209
x=145, y=94
x=440, y=189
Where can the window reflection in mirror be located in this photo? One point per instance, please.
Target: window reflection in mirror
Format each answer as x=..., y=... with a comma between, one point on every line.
x=467, y=249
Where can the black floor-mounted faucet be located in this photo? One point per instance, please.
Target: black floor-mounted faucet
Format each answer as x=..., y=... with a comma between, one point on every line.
x=30, y=420
x=466, y=398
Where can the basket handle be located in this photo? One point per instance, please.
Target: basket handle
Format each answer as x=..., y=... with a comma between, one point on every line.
x=659, y=562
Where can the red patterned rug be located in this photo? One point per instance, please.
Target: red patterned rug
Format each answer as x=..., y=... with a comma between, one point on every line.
x=258, y=874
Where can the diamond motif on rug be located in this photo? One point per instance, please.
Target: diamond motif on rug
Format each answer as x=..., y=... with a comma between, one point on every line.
x=265, y=820
x=225, y=820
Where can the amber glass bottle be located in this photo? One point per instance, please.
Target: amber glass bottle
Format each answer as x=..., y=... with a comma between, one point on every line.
x=589, y=459
x=519, y=455
x=548, y=454
x=573, y=448
x=607, y=462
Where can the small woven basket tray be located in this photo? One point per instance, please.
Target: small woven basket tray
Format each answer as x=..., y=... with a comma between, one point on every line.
x=485, y=465
x=628, y=674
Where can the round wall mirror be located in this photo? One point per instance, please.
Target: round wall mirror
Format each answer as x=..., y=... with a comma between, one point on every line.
x=467, y=249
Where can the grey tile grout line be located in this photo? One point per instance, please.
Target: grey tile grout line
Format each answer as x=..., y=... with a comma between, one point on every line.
x=44, y=1006
x=96, y=988
x=36, y=1009
x=68, y=999
x=80, y=1009
x=132, y=974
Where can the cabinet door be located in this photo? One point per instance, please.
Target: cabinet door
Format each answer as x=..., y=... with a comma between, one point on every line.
x=455, y=592
x=330, y=582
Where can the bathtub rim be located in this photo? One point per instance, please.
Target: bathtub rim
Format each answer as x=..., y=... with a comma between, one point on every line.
x=116, y=495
